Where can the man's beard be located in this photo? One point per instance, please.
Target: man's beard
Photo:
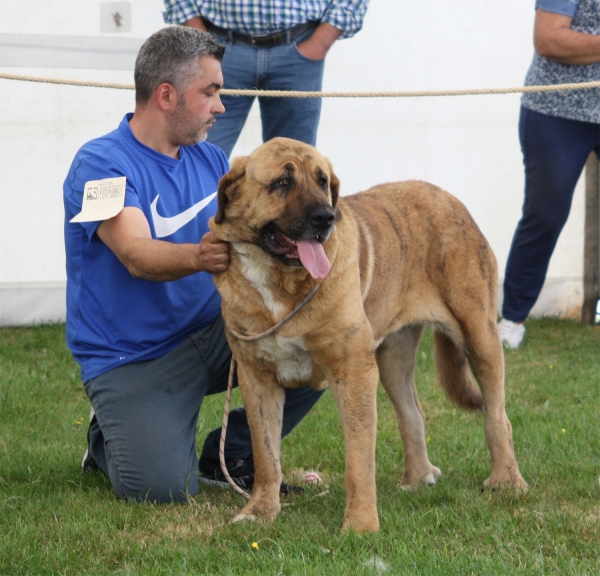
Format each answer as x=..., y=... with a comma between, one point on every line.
x=182, y=130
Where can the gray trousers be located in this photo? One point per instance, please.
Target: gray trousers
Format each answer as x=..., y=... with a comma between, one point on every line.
x=144, y=434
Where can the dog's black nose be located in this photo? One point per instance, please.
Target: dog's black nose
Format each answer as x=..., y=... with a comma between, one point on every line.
x=322, y=217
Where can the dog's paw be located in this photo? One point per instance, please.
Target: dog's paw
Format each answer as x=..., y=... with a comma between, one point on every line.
x=512, y=482
x=243, y=518
x=431, y=478
x=412, y=481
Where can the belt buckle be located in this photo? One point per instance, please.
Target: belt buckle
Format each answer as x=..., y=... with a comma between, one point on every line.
x=254, y=40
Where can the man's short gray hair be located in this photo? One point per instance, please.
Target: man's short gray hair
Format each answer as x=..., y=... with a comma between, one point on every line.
x=171, y=55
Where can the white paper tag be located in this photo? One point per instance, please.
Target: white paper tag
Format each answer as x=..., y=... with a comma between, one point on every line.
x=102, y=199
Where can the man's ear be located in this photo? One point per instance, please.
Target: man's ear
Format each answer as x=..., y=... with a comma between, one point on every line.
x=334, y=187
x=229, y=184
x=166, y=96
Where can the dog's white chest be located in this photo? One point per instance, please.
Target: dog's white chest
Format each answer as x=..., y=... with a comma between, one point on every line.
x=258, y=276
x=290, y=356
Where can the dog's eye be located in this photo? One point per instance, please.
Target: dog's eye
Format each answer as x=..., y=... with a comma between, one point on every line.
x=284, y=182
x=323, y=181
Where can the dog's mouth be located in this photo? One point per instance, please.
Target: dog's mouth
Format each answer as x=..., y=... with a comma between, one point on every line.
x=308, y=253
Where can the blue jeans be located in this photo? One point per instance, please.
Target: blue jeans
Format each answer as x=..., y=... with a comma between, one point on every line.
x=144, y=434
x=554, y=154
x=277, y=68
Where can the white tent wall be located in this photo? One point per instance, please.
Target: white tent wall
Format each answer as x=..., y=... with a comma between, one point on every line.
x=467, y=145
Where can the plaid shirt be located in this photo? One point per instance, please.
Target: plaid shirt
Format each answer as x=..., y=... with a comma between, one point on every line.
x=268, y=16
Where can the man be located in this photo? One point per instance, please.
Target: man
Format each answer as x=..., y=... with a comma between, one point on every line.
x=143, y=316
x=271, y=46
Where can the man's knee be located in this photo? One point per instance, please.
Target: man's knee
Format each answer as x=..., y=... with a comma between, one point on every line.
x=156, y=486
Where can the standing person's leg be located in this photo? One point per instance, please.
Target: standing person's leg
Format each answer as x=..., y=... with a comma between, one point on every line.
x=144, y=439
x=239, y=72
x=554, y=153
x=284, y=68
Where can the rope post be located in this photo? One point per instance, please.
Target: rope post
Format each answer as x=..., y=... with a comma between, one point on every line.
x=591, y=250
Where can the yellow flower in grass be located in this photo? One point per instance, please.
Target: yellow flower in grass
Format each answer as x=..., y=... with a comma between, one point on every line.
x=255, y=545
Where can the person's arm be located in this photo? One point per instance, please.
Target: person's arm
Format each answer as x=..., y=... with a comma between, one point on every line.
x=181, y=11
x=196, y=22
x=128, y=236
x=320, y=41
x=554, y=39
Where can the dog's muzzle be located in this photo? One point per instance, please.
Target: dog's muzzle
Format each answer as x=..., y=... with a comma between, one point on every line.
x=302, y=246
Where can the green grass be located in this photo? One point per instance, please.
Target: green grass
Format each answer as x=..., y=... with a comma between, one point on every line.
x=54, y=519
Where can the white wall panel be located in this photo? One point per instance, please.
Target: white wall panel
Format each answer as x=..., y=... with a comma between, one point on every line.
x=467, y=144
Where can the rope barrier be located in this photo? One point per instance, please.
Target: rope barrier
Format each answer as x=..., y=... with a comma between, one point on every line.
x=294, y=94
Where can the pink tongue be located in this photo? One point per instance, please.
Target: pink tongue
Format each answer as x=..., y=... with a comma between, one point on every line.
x=313, y=258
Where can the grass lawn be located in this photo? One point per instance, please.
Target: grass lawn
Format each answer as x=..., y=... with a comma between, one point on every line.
x=55, y=519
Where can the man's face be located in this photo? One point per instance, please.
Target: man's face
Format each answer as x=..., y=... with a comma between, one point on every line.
x=197, y=105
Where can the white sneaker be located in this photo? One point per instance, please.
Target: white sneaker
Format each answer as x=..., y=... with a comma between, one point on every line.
x=511, y=333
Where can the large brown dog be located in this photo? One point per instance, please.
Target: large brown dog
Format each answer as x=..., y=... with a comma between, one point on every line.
x=390, y=261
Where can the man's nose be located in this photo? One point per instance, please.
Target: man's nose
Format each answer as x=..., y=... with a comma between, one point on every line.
x=218, y=107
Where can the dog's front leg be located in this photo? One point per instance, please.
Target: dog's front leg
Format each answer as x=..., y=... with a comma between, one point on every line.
x=356, y=398
x=263, y=400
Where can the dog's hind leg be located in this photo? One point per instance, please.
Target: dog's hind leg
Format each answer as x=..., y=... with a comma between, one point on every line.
x=486, y=358
x=263, y=400
x=396, y=358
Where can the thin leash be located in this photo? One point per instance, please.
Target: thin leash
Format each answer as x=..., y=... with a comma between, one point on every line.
x=232, y=366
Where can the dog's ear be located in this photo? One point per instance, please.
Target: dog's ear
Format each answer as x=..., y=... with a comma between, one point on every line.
x=334, y=186
x=228, y=185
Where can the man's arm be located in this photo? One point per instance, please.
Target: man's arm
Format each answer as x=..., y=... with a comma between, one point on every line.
x=180, y=11
x=196, y=22
x=554, y=39
x=320, y=41
x=128, y=236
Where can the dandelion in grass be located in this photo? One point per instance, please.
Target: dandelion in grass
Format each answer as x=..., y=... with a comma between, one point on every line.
x=255, y=545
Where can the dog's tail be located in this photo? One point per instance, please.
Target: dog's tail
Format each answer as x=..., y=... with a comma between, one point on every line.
x=454, y=373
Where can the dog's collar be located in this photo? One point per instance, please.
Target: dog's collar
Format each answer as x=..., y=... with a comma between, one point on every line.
x=279, y=324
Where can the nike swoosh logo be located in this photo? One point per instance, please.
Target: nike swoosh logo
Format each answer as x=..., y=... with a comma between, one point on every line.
x=165, y=226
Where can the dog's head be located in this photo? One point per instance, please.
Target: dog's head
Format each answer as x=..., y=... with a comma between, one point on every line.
x=283, y=199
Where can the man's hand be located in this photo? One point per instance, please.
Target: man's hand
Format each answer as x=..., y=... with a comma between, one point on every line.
x=320, y=41
x=213, y=254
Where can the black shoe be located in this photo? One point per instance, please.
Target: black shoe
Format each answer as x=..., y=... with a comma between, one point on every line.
x=241, y=472
x=88, y=464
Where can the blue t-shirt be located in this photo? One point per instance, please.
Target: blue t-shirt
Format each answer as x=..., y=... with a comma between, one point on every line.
x=113, y=318
x=582, y=105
